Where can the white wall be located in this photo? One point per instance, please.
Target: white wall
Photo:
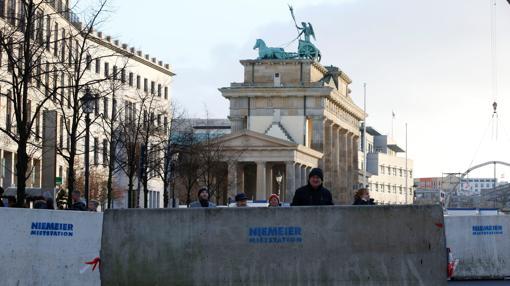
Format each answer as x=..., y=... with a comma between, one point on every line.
x=34, y=258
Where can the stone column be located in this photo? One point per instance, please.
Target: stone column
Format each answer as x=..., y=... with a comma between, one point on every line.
x=335, y=186
x=350, y=161
x=342, y=175
x=261, y=181
x=232, y=179
x=269, y=179
x=237, y=123
x=355, y=162
x=297, y=181
x=328, y=147
x=290, y=186
x=240, y=178
x=304, y=176
x=318, y=133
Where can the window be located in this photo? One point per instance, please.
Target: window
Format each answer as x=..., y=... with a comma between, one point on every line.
x=105, y=151
x=63, y=51
x=153, y=88
x=382, y=170
x=55, y=80
x=55, y=40
x=389, y=170
x=159, y=120
x=11, y=12
x=96, y=107
x=98, y=66
x=61, y=133
x=145, y=85
x=68, y=135
x=166, y=92
x=8, y=110
x=89, y=61
x=114, y=109
x=159, y=90
x=123, y=75
x=105, y=107
x=165, y=123
x=106, y=70
x=130, y=79
x=96, y=153
x=400, y=172
x=38, y=127
x=47, y=81
x=115, y=72
x=138, y=81
x=48, y=32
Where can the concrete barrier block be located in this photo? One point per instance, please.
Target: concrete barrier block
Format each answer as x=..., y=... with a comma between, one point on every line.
x=48, y=247
x=382, y=245
x=482, y=245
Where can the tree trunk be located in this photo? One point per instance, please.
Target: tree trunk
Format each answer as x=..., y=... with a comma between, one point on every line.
x=71, y=174
x=21, y=170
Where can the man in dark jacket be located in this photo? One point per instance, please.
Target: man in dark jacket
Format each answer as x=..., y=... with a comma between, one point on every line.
x=313, y=194
x=203, y=200
x=77, y=205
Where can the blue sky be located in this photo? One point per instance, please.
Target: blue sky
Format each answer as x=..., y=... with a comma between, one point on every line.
x=428, y=61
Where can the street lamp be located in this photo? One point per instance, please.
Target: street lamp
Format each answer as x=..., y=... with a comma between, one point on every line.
x=279, y=179
x=87, y=104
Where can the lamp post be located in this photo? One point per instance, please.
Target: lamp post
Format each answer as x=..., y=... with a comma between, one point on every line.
x=87, y=104
x=279, y=179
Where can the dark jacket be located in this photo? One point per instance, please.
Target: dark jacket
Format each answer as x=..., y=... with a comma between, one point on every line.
x=198, y=204
x=359, y=201
x=307, y=196
x=78, y=206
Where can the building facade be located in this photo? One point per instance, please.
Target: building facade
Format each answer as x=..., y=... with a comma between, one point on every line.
x=293, y=114
x=390, y=179
x=107, y=62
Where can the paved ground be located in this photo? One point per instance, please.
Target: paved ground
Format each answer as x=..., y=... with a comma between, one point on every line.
x=479, y=283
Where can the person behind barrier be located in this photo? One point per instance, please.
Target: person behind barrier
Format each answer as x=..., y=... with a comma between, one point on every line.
x=2, y=197
x=40, y=203
x=274, y=201
x=362, y=197
x=11, y=201
x=93, y=205
x=203, y=200
x=77, y=205
x=313, y=193
x=241, y=200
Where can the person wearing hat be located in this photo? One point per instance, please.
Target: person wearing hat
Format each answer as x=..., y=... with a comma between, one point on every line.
x=313, y=193
x=203, y=200
x=274, y=201
x=241, y=200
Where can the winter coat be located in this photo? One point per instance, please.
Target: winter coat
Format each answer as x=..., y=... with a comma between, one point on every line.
x=359, y=201
x=197, y=204
x=78, y=206
x=307, y=196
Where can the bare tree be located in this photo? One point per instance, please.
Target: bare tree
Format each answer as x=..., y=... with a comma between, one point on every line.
x=23, y=41
x=83, y=50
x=168, y=151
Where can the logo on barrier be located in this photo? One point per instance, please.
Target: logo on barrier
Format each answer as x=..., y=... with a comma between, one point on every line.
x=275, y=235
x=487, y=229
x=51, y=229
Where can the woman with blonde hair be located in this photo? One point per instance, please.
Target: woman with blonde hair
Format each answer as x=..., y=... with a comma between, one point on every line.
x=362, y=197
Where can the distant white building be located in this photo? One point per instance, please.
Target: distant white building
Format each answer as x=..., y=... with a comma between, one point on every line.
x=388, y=179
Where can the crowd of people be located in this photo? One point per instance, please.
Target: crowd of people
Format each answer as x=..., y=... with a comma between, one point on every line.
x=42, y=202
x=311, y=194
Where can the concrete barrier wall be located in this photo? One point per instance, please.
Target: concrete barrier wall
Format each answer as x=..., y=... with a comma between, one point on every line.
x=382, y=245
x=482, y=245
x=47, y=247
